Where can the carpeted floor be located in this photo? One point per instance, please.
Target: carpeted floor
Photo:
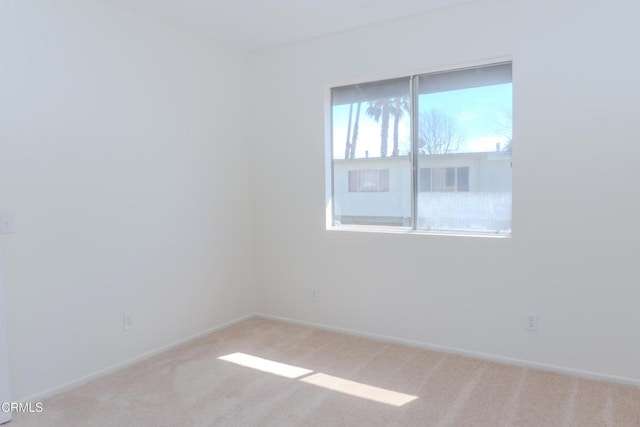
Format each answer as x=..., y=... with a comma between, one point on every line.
x=265, y=373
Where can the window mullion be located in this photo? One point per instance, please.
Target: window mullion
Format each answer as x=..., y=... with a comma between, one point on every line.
x=413, y=123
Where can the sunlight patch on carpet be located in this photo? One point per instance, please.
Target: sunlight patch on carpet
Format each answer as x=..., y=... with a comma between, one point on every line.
x=265, y=365
x=330, y=382
x=357, y=389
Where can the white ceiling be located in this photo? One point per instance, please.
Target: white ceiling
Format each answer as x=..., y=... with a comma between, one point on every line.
x=256, y=24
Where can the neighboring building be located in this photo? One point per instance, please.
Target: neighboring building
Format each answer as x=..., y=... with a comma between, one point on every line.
x=465, y=191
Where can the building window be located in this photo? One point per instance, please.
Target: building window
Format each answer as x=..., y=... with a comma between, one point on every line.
x=361, y=181
x=444, y=179
x=424, y=152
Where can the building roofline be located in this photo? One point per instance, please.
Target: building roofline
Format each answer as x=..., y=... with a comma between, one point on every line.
x=430, y=156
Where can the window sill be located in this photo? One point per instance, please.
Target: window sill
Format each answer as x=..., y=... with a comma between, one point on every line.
x=408, y=230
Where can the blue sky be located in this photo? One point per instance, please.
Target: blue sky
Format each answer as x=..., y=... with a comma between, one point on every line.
x=483, y=116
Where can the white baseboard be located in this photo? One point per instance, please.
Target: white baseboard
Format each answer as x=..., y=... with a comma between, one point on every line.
x=474, y=354
x=121, y=365
x=478, y=355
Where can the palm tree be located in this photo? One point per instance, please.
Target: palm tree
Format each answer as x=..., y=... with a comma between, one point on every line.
x=380, y=110
x=397, y=108
x=354, y=139
x=347, y=148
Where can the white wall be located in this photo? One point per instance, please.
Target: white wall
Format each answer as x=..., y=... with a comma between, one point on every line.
x=5, y=389
x=122, y=154
x=572, y=257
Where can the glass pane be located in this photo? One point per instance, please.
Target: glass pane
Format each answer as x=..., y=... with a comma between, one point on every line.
x=451, y=179
x=463, y=179
x=425, y=179
x=439, y=177
x=464, y=137
x=371, y=141
x=373, y=181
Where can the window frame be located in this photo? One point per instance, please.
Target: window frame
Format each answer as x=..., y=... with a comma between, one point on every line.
x=413, y=74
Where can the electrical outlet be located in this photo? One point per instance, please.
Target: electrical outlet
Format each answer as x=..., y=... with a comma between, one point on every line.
x=314, y=295
x=532, y=322
x=127, y=321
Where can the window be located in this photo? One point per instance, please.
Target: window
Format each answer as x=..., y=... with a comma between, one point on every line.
x=444, y=179
x=424, y=152
x=369, y=180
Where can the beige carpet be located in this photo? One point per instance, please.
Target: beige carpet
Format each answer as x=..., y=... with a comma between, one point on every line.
x=277, y=374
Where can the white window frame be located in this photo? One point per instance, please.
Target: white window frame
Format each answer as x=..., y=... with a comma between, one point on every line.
x=412, y=229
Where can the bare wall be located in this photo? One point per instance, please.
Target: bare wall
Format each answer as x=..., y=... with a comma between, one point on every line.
x=122, y=153
x=573, y=255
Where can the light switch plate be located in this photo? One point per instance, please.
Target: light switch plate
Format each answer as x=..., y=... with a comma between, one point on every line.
x=7, y=223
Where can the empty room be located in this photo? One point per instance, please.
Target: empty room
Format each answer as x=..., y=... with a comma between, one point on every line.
x=319, y=213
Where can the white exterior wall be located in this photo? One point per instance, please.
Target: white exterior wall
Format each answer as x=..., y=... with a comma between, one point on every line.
x=492, y=173
x=395, y=203
x=488, y=173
